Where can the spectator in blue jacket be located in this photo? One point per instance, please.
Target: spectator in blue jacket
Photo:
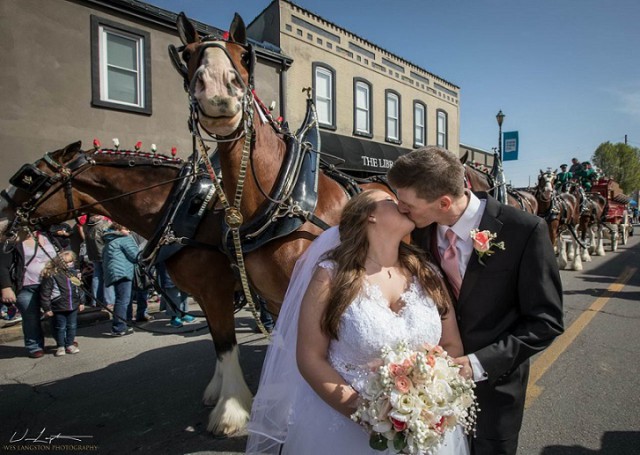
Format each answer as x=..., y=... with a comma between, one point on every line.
x=119, y=257
x=61, y=298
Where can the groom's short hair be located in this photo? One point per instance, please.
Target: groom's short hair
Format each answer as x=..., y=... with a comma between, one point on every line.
x=430, y=171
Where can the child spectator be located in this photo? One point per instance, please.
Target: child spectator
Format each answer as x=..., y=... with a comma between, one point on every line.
x=61, y=298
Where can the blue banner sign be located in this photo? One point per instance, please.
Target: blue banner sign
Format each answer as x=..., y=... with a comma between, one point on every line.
x=510, y=146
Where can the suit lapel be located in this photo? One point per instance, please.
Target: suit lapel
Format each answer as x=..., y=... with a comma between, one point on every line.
x=491, y=223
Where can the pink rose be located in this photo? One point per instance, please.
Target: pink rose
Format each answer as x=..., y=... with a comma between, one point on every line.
x=398, y=425
x=395, y=369
x=481, y=241
x=403, y=384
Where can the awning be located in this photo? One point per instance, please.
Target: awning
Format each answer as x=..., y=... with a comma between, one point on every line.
x=357, y=154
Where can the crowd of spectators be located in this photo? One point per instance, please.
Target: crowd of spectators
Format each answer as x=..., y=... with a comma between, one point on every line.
x=53, y=275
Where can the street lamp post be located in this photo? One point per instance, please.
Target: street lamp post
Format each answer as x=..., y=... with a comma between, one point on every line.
x=500, y=117
x=501, y=187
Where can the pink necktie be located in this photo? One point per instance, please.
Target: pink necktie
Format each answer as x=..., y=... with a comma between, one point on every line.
x=450, y=263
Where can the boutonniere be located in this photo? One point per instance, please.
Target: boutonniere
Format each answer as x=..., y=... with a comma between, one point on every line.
x=483, y=242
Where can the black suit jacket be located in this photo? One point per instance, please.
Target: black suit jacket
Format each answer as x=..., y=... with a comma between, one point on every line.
x=508, y=310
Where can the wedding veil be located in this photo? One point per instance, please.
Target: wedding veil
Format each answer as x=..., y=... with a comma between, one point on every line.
x=280, y=379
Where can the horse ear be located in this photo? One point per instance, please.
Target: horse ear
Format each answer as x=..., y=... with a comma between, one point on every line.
x=71, y=149
x=186, y=30
x=237, y=31
x=174, y=56
x=464, y=157
x=541, y=173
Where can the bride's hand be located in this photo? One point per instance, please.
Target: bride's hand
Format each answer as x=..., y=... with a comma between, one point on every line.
x=466, y=371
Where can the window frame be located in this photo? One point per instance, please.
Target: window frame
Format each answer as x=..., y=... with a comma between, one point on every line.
x=332, y=72
x=356, y=82
x=422, y=105
x=387, y=94
x=99, y=28
x=442, y=113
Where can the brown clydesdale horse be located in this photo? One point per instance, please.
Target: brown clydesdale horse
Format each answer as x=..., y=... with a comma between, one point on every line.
x=562, y=213
x=593, y=209
x=479, y=180
x=133, y=189
x=219, y=74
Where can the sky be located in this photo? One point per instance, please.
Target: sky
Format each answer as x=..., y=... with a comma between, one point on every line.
x=566, y=73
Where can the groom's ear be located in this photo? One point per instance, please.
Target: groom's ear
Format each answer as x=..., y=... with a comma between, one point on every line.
x=445, y=202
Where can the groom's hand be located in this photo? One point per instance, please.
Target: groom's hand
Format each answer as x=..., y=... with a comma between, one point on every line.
x=466, y=371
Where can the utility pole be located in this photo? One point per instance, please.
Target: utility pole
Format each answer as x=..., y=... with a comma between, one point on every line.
x=625, y=139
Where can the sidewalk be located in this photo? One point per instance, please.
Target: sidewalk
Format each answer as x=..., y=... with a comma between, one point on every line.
x=10, y=331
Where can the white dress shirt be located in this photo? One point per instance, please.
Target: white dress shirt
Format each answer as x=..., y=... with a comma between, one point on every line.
x=469, y=220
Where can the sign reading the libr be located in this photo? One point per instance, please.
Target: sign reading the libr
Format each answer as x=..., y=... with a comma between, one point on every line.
x=382, y=163
x=510, y=149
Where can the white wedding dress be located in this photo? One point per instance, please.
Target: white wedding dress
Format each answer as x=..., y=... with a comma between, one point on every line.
x=368, y=324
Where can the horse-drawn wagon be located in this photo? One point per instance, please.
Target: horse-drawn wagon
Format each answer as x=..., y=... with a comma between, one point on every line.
x=616, y=216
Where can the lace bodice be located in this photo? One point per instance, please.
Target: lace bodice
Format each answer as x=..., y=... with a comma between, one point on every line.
x=368, y=324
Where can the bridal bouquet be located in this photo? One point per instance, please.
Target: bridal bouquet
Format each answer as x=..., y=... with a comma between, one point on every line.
x=412, y=398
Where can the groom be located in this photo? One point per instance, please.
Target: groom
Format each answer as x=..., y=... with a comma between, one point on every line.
x=509, y=302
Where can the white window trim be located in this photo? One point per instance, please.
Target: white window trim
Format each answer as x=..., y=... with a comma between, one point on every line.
x=329, y=99
x=366, y=109
x=442, y=134
x=393, y=135
x=99, y=27
x=104, y=66
x=419, y=127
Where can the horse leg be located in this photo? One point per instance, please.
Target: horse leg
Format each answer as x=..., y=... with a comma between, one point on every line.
x=571, y=251
x=562, y=252
x=577, y=258
x=600, y=239
x=214, y=289
x=227, y=389
x=586, y=257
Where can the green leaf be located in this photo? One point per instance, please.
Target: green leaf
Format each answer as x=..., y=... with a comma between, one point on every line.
x=399, y=442
x=378, y=442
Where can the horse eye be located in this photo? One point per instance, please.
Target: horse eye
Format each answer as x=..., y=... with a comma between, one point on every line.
x=186, y=55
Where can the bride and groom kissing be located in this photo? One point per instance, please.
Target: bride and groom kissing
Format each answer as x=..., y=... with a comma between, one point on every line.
x=480, y=280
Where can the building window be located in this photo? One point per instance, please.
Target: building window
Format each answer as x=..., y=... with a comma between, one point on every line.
x=443, y=136
x=419, y=124
x=393, y=116
x=362, y=107
x=324, y=89
x=120, y=66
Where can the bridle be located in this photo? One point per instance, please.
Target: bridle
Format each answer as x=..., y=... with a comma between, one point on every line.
x=550, y=178
x=246, y=130
x=41, y=186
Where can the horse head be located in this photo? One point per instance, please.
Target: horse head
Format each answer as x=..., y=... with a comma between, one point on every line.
x=34, y=195
x=546, y=182
x=218, y=72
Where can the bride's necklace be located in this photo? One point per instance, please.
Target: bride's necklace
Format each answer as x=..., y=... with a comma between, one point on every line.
x=382, y=267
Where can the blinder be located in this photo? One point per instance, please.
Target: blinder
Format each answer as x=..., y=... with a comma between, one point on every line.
x=30, y=179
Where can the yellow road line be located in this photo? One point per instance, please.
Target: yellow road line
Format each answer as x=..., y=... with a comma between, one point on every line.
x=551, y=354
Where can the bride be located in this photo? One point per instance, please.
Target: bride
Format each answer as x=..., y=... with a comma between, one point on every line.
x=356, y=289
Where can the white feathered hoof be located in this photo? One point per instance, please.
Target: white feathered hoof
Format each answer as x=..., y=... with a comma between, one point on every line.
x=234, y=398
x=577, y=263
x=586, y=257
x=229, y=416
x=212, y=392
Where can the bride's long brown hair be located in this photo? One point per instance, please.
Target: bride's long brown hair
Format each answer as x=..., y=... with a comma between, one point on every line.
x=349, y=258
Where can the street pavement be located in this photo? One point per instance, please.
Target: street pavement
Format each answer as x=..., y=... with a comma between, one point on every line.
x=142, y=393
